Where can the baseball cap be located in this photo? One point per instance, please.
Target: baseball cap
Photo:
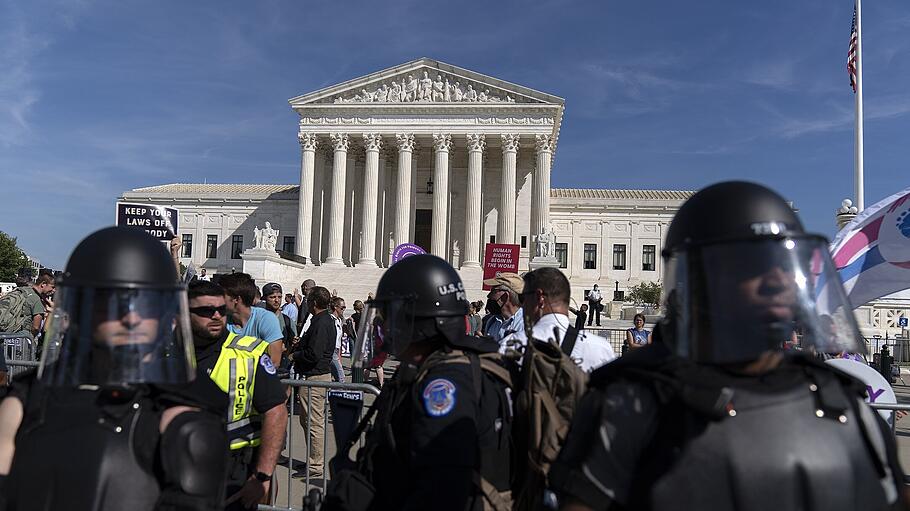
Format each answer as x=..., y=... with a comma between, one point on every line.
x=270, y=288
x=507, y=279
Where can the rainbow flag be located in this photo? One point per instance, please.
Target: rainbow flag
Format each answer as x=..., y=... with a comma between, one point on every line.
x=872, y=253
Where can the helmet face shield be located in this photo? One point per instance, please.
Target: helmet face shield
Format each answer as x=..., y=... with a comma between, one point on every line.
x=387, y=324
x=117, y=336
x=730, y=302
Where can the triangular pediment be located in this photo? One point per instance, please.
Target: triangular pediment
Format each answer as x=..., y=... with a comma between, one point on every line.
x=425, y=81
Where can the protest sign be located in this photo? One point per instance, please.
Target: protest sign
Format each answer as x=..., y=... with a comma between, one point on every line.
x=159, y=221
x=499, y=258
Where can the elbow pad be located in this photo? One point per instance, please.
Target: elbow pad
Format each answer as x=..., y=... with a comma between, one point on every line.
x=194, y=453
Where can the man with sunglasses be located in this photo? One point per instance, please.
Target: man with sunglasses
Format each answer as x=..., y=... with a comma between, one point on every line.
x=241, y=368
x=109, y=421
x=715, y=413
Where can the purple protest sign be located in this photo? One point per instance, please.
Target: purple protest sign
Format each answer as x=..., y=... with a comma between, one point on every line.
x=406, y=250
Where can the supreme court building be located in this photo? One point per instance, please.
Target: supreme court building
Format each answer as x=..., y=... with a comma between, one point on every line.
x=425, y=153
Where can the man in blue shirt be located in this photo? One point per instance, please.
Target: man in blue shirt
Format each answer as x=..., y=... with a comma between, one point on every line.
x=243, y=319
x=504, y=303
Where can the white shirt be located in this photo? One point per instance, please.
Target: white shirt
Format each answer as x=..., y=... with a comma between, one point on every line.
x=590, y=351
x=594, y=295
x=337, y=332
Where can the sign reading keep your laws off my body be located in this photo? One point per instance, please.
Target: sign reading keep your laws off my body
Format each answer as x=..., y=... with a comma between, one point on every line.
x=159, y=221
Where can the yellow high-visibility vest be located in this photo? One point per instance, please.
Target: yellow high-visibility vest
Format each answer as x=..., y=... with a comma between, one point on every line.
x=235, y=374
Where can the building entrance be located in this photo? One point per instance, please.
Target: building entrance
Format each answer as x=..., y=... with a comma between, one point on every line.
x=423, y=228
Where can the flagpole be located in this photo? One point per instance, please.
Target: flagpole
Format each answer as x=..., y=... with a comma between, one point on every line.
x=858, y=148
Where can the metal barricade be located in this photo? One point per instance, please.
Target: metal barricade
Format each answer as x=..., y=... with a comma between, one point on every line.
x=894, y=408
x=616, y=336
x=21, y=351
x=301, y=389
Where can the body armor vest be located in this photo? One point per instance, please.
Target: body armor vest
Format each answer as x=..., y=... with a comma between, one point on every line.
x=102, y=444
x=810, y=447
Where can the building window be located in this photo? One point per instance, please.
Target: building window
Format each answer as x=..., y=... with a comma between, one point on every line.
x=524, y=242
x=619, y=257
x=288, y=244
x=236, y=246
x=590, y=256
x=187, y=245
x=562, y=254
x=493, y=238
x=647, y=257
x=211, y=246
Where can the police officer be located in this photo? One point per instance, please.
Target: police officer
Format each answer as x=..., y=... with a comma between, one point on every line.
x=106, y=422
x=239, y=367
x=441, y=436
x=715, y=414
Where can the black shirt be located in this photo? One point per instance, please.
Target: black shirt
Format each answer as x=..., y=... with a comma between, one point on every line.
x=317, y=346
x=268, y=391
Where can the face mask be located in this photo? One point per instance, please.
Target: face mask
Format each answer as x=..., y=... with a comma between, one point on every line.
x=493, y=307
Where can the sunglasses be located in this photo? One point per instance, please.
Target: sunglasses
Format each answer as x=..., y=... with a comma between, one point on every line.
x=208, y=311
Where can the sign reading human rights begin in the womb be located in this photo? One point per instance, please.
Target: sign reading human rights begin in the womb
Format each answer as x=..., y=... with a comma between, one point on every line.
x=159, y=221
x=499, y=258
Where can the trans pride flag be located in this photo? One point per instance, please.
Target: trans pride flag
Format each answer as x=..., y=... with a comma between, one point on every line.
x=872, y=253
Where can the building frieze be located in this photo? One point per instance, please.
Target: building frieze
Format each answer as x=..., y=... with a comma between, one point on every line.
x=425, y=121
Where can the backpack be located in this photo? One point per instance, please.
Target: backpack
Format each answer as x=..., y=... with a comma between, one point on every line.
x=351, y=487
x=14, y=316
x=552, y=384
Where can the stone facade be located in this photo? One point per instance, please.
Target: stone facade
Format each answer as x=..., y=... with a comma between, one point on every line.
x=633, y=218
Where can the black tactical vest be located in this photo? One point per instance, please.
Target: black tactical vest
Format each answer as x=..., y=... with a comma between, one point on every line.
x=85, y=449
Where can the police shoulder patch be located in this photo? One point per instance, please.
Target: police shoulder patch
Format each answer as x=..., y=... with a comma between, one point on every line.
x=266, y=362
x=439, y=397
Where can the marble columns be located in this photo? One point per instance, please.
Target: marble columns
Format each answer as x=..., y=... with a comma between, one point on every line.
x=505, y=228
x=441, y=146
x=372, y=144
x=540, y=200
x=473, y=207
x=308, y=143
x=336, y=218
x=403, y=189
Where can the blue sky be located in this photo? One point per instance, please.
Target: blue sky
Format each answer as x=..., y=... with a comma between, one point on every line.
x=100, y=97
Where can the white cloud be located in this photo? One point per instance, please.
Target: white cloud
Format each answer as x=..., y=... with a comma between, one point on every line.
x=18, y=91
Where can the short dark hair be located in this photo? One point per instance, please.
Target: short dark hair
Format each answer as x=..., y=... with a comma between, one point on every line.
x=44, y=278
x=199, y=288
x=551, y=281
x=240, y=285
x=320, y=297
x=336, y=300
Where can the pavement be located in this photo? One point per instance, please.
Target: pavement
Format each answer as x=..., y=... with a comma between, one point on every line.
x=295, y=450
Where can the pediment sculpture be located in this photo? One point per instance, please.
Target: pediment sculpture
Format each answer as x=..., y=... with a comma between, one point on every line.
x=425, y=89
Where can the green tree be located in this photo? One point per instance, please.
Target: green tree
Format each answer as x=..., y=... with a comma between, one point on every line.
x=11, y=258
x=646, y=293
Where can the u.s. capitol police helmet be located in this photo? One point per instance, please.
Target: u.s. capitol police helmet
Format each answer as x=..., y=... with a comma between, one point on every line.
x=419, y=298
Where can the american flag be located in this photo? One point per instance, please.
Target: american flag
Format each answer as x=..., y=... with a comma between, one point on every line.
x=851, y=53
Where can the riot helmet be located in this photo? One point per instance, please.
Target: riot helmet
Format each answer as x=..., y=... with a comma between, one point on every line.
x=742, y=277
x=120, y=316
x=419, y=298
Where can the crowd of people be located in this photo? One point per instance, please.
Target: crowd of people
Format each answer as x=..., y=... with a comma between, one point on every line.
x=517, y=409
